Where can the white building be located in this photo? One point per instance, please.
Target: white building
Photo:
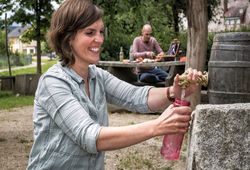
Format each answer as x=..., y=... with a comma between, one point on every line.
x=15, y=43
x=231, y=16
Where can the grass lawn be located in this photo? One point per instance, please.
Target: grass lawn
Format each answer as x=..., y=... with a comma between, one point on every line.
x=9, y=100
x=32, y=70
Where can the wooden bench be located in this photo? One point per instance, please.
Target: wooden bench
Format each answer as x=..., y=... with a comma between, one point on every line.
x=125, y=71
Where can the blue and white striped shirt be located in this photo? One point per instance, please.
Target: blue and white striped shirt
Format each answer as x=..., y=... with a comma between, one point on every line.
x=67, y=122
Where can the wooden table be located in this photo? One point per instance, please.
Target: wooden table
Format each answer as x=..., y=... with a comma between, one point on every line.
x=133, y=64
x=126, y=71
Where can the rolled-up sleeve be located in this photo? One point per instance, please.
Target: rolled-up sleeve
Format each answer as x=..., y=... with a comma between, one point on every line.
x=128, y=96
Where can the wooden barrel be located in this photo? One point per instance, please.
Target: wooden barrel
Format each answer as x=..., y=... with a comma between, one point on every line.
x=229, y=68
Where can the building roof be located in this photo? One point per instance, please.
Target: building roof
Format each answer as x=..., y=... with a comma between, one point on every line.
x=236, y=11
x=18, y=31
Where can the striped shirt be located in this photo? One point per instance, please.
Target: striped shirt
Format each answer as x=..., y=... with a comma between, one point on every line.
x=67, y=122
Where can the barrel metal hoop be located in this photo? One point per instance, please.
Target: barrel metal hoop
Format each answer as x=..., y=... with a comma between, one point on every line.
x=226, y=93
x=231, y=47
x=229, y=64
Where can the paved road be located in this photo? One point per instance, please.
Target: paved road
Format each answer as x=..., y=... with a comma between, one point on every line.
x=33, y=64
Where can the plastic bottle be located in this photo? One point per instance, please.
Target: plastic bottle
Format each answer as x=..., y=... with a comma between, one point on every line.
x=171, y=146
x=121, y=54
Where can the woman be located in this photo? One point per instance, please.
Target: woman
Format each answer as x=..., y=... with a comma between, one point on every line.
x=70, y=107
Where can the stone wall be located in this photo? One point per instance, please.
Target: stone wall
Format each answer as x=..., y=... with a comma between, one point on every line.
x=220, y=138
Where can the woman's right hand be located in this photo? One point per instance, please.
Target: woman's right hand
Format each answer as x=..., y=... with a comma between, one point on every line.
x=173, y=120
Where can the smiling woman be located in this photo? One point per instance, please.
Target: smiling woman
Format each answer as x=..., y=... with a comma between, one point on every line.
x=70, y=106
x=63, y=34
x=86, y=46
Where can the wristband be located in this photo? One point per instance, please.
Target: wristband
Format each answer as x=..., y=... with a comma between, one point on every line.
x=170, y=97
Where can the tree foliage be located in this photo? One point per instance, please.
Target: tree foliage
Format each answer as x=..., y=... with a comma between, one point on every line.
x=123, y=19
x=36, y=13
x=2, y=42
x=25, y=12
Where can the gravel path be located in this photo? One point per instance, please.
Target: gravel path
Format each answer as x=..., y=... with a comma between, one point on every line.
x=16, y=137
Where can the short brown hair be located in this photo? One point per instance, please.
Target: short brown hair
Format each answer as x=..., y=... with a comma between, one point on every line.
x=71, y=16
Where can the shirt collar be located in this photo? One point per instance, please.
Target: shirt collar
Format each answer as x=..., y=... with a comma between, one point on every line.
x=71, y=72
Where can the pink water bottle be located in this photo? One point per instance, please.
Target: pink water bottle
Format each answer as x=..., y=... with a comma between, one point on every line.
x=171, y=145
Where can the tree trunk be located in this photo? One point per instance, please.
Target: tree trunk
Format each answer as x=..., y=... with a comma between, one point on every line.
x=176, y=19
x=7, y=43
x=225, y=6
x=38, y=37
x=197, y=38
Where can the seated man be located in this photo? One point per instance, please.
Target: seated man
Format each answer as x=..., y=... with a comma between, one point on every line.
x=145, y=47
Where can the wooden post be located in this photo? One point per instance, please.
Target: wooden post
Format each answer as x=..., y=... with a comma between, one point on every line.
x=6, y=43
x=197, y=38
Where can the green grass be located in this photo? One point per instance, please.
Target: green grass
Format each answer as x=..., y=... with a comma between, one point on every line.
x=47, y=64
x=8, y=100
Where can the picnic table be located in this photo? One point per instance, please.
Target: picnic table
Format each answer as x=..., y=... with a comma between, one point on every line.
x=127, y=70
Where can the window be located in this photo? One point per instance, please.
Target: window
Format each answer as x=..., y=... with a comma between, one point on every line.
x=25, y=51
x=227, y=22
x=232, y=22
